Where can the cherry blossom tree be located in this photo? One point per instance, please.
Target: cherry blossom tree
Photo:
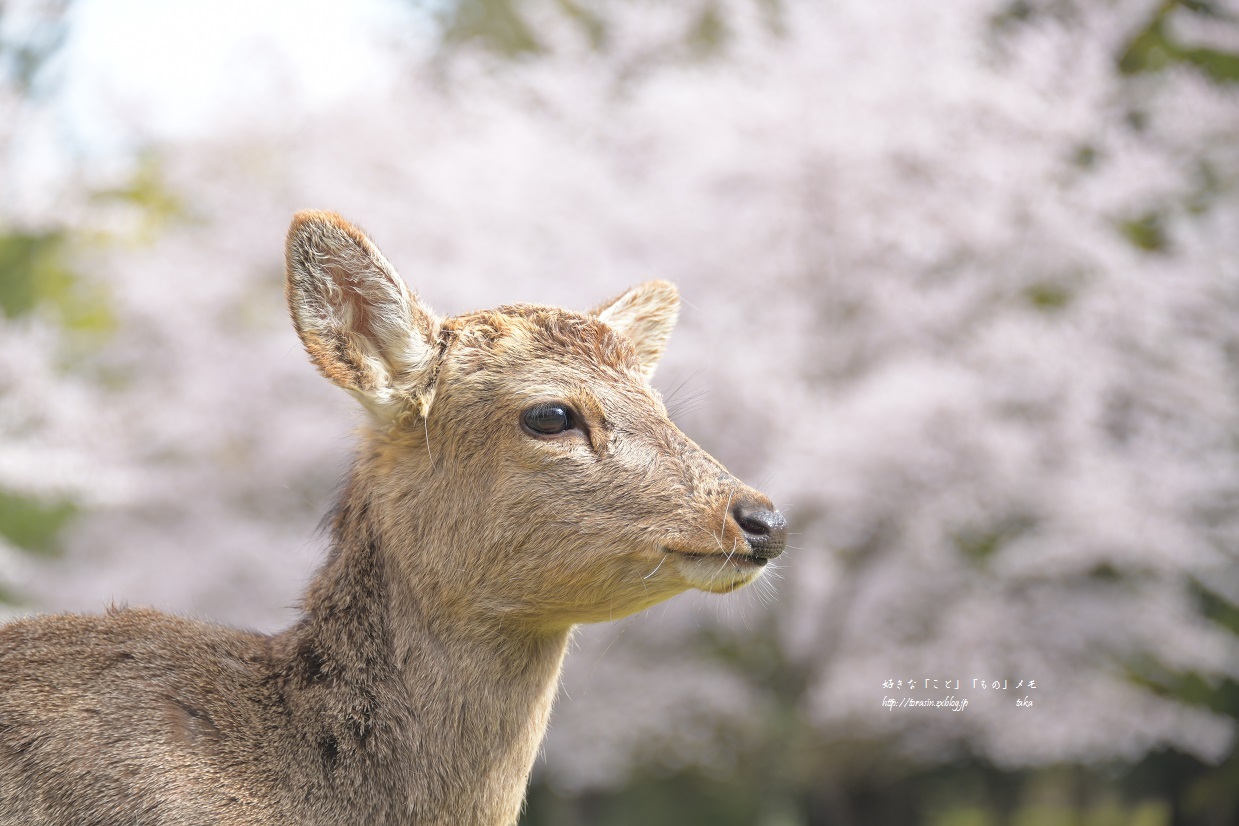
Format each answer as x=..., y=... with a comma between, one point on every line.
x=960, y=287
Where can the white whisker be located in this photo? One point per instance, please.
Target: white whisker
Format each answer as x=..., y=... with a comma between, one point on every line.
x=656, y=567
x=426, y=430
x=725, y=560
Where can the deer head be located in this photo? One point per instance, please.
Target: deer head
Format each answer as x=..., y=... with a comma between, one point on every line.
x=518, y=461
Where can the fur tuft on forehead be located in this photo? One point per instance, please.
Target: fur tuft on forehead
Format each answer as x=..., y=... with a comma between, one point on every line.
x=537, y=331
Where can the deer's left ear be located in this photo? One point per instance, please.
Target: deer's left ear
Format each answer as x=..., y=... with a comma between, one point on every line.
x=645, y=315
x=358, y=321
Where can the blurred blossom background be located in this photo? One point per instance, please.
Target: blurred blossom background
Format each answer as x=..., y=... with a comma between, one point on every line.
x=961, y=287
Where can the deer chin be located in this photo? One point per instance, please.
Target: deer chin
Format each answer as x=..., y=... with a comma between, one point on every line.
x=716, y=571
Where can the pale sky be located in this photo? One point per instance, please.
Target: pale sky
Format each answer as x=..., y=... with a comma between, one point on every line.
x=177, y=69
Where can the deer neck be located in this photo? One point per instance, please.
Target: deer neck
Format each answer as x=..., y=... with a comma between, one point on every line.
x=458, y=699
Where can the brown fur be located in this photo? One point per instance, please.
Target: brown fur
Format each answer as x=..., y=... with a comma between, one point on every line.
x=417, y=685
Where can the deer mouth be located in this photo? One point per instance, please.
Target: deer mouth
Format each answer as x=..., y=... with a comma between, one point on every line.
x=740, y=559
x=716, y=571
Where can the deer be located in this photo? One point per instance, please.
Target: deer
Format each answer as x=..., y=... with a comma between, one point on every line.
x=517, y=476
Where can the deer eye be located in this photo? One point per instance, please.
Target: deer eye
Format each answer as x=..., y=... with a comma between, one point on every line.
x=549, y=419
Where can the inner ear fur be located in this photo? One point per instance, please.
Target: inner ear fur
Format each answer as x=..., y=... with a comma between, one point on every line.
x=360, y=324
x=645, y=315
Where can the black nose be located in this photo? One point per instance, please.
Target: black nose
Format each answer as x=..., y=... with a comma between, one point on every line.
x=765, y=529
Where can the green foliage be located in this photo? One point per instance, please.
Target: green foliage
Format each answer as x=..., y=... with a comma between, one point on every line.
x=1146, y=232
x=502, y=26
x=35, y=273
x=33, y=524
x=680, y=800
x=496, y=25
x=147, y=191
x=979, y=544
x=964, y=794
x=1154, y=48
x=29, y=266
x=965, y=816
x=1106, y=814
x=1201, y=793
x=1209, y=187
x=1049, y=296
x=708, y=34
x=589, y=22
x=1086, y=156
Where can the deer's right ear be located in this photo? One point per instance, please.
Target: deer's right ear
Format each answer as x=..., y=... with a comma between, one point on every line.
x=646, y=315
x=355, y=316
